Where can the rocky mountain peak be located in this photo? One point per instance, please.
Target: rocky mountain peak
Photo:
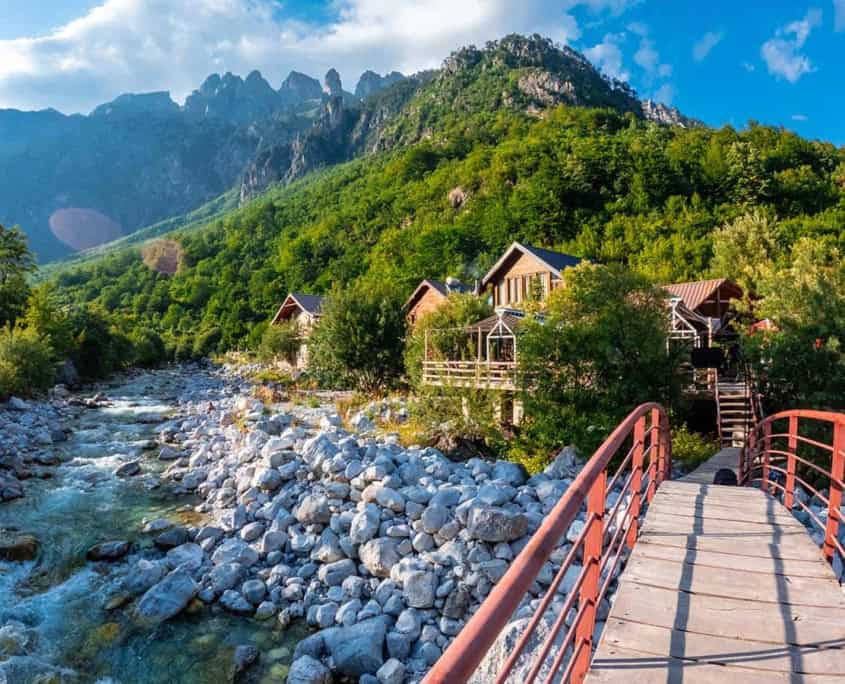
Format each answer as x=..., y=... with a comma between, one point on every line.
x=665, y=114
x=143, y=103
x=299, y=87
x=332, y=84
x=370, y=83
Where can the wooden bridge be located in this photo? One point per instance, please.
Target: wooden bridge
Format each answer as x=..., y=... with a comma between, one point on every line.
x=721, y=583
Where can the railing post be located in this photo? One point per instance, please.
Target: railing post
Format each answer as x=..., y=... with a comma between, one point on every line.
x=792, y=447
x=767, y=445
x=593, y=542
x=637, y=475
x=837, y=471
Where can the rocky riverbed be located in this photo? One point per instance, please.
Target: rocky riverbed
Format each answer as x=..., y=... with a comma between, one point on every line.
x=171, y=527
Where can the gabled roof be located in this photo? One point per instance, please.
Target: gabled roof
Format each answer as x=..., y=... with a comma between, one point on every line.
x=436, y=285
x=310, y=304
x=555, y=261
x=694, y=294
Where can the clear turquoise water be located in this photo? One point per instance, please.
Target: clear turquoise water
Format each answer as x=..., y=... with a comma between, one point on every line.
x=64, y=597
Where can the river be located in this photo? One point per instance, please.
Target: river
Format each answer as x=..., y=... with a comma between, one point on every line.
x=66, y=599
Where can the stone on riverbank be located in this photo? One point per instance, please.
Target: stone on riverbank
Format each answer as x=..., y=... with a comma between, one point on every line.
x=108, y=551
x=167, y=598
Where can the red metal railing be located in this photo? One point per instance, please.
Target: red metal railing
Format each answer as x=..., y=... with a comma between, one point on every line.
x=608, y=535
x=771, y=458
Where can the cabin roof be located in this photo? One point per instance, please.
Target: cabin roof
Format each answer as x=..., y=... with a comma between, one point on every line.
x=436, y=285
x=694, y=294
x=555, y=261
x=310, y=304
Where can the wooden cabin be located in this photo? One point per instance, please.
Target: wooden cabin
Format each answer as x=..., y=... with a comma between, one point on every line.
x=701, y=310
x=429, y=295
x=488, y=358
x=305, y=310
x=525, y=272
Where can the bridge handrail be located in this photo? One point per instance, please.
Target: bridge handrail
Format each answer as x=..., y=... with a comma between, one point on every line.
x=603, y=538
x=769, y=447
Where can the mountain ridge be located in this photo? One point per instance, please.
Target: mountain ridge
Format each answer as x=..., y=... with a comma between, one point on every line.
x=141, y=158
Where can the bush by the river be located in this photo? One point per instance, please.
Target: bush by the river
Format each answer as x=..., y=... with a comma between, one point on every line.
x=26, y=362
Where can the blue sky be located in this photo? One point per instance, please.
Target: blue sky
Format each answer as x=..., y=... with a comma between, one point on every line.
x=722, y=62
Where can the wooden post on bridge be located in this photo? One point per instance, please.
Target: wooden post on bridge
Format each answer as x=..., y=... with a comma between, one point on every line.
x=588, y=596
x=837, y=471
x=792, y=447
x=637, y=475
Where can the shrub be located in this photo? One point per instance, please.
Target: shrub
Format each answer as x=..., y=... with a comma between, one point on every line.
x=599, y=351
x=26, y=362
x=690, y=448
x=359, y=338
x=282, y=341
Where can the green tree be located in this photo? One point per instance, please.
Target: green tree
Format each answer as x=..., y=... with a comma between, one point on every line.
x=46, y=316
x=26, y=362
x=745, y=249
x=359, y=338
x=16, y=263
x=599, y=351
x=281, y=342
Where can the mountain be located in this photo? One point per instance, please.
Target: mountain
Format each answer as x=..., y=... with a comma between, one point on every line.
x=74, y=182
x=518, y=140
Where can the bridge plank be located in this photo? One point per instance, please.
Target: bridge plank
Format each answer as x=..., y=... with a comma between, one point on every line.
x=827, y=658
x=686, y=575
x=728, y=559
x=724, y=585
x=727, y=617
x=634, y=667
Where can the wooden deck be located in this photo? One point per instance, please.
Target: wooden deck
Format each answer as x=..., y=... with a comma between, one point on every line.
x=726, y=586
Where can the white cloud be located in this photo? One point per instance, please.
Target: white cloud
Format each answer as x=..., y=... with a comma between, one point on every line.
x=664, y=94
x=799, y=117
x=607, y=56
x=706, y=43
x=646, y=56
x=748, y=66
x=782, y=53
x=839, y=15
x=144, y=45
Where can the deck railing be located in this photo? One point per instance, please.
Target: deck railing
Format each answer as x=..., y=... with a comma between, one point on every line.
x=609, y=533
x=479, y=374
x=778, y=458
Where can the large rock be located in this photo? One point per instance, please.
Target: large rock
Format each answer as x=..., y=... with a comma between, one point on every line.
x=358, y=649
x=226, y=576
x=491, y=524
x=419, y=588
x=308, y=670
x=314, y=509
x=333, y=574
x=108, y=551
x=379, y=556
x=365, y=524
x=167, y=598
x=143, y=575
x=21, y=547
x=235, y=551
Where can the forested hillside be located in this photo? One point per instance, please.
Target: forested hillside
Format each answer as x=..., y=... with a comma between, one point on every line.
x=468, y=171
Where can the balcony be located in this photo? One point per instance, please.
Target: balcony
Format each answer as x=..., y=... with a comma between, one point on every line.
x=493, y=375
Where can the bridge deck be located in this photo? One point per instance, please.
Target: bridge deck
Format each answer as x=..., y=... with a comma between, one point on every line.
x=724, y=585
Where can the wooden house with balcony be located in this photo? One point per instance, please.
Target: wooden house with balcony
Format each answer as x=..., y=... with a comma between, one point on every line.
x=484, y=354
x=304, y=310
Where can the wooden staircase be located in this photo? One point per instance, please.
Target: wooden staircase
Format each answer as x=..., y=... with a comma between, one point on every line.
x=734, y=411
